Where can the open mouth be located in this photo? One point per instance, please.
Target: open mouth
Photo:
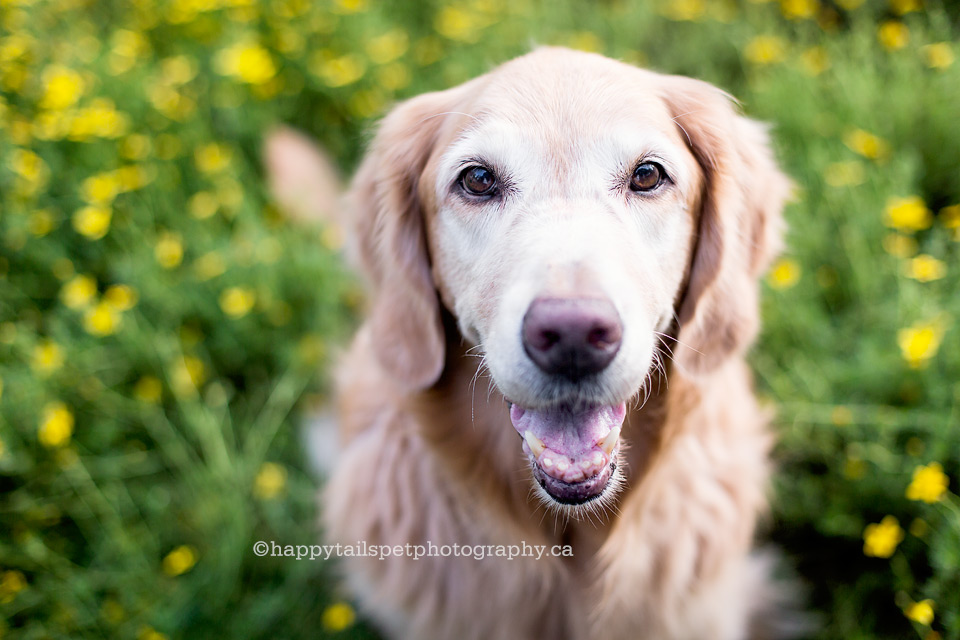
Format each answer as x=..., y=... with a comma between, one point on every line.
x=573, y=450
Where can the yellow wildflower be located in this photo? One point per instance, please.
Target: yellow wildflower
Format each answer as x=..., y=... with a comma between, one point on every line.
x=135, y=146
x=338, y=71
x=814, y=61
x=101, y=320
x=920, y=342
x=180, y=560
x=799, y=9
x=394, y=77
x=209, y=265
x=920, y=612
x=844, y=174
x=893, y=35
x=428, y=50
x=899, y=245
x=168, y=146
x=56, y=425
x=689, y=10
x=349, y=6
x=29, y=166
x=169, y=250
x=366, y=103
x=950, y=216
x=237, y=301
x=841, y=416
x=187, y=375
x=919, y=528
x=202, y=205
x=12, y=582
x=229, y=193
x=62, y=268
x=100, y=189
x=79, y=291
x=40, y=222
x=178, y=70
x=784, y=274
x=250, y=63
x=338, y=617
x=925, y=268
x=908, y=214
x=148, y=389
x=915, y=446
x=133, y=177
x=149, y=633
x=47, y=358
x=881, y=540
x=765, y=50
x=270, y=481
x=126, y=47
x=867, y=144
x=900, y=7
x=388, y=47
x=62, y=87
x=92, y=221
x=212, y=158
x=100, y=120
x=120, y=297
x=929, y=483
x=938, y=55
x=589, y=41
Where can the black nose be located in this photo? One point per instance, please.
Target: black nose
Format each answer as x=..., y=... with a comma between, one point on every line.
x=571, y=337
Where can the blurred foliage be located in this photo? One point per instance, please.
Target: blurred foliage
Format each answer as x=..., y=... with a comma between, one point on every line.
x=157, y=339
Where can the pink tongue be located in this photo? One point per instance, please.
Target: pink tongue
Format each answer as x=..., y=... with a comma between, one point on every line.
x=566, y=431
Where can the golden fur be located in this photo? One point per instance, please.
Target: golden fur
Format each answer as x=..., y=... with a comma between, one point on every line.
x=428, y=450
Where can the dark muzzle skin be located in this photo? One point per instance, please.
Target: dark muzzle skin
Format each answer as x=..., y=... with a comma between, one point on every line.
x=571, y=337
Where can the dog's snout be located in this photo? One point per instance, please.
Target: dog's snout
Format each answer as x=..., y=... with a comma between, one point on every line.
x=571, y=337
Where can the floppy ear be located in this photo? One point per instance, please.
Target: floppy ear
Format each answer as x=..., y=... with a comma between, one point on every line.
x=406, y=327
x=740, y=225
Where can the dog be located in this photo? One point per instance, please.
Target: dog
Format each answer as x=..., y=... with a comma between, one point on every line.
x=564, y=257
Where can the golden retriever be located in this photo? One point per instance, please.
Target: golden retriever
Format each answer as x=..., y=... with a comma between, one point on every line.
x=564, y=256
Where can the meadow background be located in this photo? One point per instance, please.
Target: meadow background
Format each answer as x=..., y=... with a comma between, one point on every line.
x=164, y=329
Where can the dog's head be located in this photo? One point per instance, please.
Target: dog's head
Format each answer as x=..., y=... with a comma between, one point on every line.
x=571, y=212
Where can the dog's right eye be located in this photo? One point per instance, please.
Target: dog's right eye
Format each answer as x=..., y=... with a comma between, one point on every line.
x=478, y=181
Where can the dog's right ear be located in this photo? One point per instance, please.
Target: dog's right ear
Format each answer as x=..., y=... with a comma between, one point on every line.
x=388, y=226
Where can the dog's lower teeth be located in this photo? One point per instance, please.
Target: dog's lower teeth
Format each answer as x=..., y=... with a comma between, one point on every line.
x=610, y=441
x=535, y=444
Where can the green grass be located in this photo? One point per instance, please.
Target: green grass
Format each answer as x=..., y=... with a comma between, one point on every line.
x=171, y=442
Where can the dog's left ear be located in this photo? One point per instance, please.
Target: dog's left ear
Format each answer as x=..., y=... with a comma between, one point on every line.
x=740, y=225
x=388, y=226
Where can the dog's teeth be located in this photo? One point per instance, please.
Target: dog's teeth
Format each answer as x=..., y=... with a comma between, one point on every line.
x=547, y=462
x=563, y=465
x=610, y=441
x=597, y=458
x=586, y=464
x=535, y=444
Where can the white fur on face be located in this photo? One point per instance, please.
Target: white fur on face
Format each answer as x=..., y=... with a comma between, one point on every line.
x=565, y=224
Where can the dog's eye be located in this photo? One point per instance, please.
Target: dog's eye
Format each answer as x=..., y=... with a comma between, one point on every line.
x=478, y=181
x=646, y=177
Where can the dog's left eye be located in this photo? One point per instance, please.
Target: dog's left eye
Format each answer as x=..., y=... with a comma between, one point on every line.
x=478, y=181
x=647, y=177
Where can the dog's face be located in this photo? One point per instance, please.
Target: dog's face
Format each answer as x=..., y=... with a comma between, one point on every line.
x=568, y=210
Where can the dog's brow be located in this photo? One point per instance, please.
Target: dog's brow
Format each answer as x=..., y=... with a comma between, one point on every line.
x=443, y=113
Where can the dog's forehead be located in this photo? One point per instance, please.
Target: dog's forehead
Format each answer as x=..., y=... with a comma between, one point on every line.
x=567, y=103
x=566, y=86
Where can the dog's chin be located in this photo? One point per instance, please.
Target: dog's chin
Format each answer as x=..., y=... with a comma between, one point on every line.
x=573, y=451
